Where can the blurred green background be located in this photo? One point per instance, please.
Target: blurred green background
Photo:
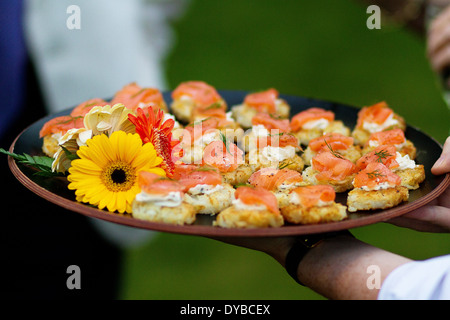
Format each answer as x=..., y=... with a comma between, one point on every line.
x=319, y=49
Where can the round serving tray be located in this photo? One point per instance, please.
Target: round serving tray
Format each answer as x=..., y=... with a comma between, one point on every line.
x=55, y=189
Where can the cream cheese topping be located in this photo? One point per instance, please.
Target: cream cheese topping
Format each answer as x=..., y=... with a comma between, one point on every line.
x=260, y=131
x=404, y=162
x=380, y=186
x=275, y=154
x=316, y=124
x=375, y=127
x=242, y=206
x=172, y=199
x=204, y=189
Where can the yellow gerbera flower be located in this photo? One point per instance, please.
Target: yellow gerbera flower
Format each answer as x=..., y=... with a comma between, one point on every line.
x=105, y=175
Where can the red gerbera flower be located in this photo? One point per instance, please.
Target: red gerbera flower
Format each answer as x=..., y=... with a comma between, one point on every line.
x=152, y=128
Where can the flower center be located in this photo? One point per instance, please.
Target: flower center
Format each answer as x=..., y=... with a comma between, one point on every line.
x=118, y=176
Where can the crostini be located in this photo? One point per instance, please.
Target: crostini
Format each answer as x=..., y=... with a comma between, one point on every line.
x=332, y=169
x=376, y=118
x=205, y=189
x=192, y=97
x=312, y=205
x=376, y=187
x=315, y=122
x=162, y=200
x=251, y=208
x=267, y=101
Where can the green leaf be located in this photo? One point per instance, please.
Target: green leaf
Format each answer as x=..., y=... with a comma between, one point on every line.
x=70, y=155
x=13, y=155
x=42, y=163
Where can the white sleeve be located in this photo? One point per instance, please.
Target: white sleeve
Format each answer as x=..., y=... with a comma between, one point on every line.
x=116, y=42
x=419, y=280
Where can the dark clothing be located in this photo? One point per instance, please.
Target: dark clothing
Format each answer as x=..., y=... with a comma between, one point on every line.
x=40, y=240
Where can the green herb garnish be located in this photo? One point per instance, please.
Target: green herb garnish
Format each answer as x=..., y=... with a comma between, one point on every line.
x=225, y=142
x=197, y=122
x=205, y=168
x=334, y=153
x=285, y=164
x=215, y=105
x=382, y=154
x=374, y=174
x=243, y=185
x=275, y=116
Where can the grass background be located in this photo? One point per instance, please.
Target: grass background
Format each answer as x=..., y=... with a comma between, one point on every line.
x=319, y=49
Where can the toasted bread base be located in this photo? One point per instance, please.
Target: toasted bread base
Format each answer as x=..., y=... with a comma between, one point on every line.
x=412, y=177
x=211, y=203
x=180, y=215
x=299, y=215
x=238, y=218
x=258, y=161
x=238, y=176
x=359, y=199
x=182, y=109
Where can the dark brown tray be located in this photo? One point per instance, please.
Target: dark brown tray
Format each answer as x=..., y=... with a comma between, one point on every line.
x=55, y=189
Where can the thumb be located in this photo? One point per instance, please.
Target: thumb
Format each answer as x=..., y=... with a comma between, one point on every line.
x=442, y=165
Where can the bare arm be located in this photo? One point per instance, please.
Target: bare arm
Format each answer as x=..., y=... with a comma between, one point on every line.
x=337, y=268
x=342, y=268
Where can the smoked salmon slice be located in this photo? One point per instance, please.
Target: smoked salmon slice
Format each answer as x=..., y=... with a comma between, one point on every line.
x=271, y=178
x=61, y=124
x=281, y=140
x=385, y=154
x=377, y=113
x=311, y=196
x=374, y=174
x=83, y=108
x=133, y=96
x=203, y=94
x=299, y=120
x=195, y=130
x=263, y=101
x=257, y=196
x=271, y=122
x=203, y=175
x=216, y=110
x=331, y=167
x=393, y=137
x=182, y=170
x=226, y=158
x=335, y=141
x=155, y=184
